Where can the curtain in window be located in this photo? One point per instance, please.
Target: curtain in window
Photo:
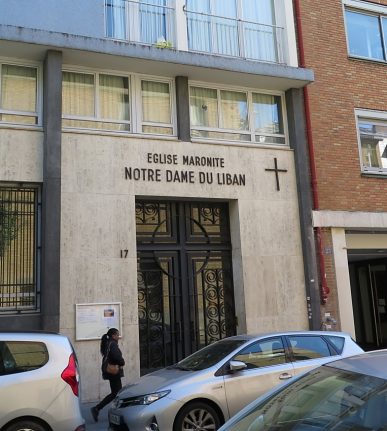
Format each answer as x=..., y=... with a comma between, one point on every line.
x=267, y=114
x=18, y=88
x=113, y=97
x=155, y=102
x=153, y=21
x=203, y=107
x=115, y=19
x=234, y=110
x=199, y=26
x=225, y=29
x=259, y=34
x=78, y=94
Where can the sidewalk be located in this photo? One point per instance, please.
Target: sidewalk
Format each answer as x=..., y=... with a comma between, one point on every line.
x=101, y=425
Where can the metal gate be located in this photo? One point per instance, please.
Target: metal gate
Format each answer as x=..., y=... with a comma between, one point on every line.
x=185, y=287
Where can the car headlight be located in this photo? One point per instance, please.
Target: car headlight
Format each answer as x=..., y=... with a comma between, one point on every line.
x=142, y=400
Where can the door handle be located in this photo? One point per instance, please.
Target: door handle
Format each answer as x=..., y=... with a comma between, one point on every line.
x=285, y=376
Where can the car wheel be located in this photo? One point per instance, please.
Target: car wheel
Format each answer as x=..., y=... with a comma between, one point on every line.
x=197, y=416
x=26, y=426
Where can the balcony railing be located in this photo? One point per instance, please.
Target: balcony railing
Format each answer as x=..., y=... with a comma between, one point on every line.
x=234, y=37
x=141, y=22
x=155, y=24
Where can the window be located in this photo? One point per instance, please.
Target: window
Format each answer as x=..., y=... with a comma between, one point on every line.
x=106, y=102
x=18, y=94
x=367, y=33
x=264, y=353
x=150, y=22
x=373, y=142
x=239, y=28
x=21, y=356
x=95, y=101
x=243, y=116
x=19, y=251
x=310, y=347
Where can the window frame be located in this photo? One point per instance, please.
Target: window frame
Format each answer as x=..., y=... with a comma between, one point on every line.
x=135, y=104
x=368, y=9
x=38, y=95
x=376, y=116
x=250, y=112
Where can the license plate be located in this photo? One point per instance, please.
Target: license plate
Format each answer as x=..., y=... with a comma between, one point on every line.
x=114, y=419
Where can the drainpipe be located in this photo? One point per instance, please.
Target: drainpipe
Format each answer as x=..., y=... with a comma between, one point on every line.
x=324, y=286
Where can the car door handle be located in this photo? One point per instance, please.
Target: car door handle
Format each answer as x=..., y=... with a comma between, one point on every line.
x=285, y=376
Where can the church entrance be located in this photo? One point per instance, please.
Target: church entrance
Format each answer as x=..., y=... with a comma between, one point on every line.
x=185, y=286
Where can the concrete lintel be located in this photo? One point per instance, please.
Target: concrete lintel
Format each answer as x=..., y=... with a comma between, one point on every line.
x=350, y=219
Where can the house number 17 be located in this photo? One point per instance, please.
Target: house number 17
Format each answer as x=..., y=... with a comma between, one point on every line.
x=124, y=254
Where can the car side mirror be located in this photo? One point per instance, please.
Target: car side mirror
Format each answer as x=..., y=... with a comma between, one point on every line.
x=236, y=366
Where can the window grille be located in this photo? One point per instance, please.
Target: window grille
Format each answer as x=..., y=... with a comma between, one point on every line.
x=19, y=251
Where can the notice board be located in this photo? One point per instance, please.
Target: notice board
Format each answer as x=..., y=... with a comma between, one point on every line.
x=93, y=320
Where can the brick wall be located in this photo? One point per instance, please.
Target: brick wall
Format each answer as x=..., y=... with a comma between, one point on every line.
x=341, y=85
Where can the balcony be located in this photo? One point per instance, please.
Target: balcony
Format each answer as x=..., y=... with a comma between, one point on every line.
x=165, y=26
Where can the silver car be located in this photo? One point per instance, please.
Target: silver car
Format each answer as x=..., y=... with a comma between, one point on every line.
x=208, y=387
x=39, y=383
x=345, y=395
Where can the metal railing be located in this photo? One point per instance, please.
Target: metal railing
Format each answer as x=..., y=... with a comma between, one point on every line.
x=234, y=37
x=140, y=22
x=154, y=24
x=18, y=249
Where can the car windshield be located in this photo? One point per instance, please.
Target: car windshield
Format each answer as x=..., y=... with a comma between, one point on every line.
x=324, y=399
x=209, y=355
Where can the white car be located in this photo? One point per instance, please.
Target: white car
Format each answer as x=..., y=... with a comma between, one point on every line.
x=39, y=383
x=208, y=387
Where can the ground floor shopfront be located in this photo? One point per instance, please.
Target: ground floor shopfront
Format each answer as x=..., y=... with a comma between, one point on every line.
x=355, y=252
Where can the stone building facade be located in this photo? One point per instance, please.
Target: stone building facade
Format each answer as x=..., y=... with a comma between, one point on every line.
x=153, y=176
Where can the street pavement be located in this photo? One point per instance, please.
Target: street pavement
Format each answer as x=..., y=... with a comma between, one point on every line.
x=102, y=424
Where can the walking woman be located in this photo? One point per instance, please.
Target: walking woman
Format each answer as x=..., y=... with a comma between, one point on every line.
x=111, y=354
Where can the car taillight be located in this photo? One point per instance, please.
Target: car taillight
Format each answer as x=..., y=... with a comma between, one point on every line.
x=70, y=374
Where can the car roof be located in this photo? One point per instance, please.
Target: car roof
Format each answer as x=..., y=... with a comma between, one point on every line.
x=279, y=333
x=369, y=363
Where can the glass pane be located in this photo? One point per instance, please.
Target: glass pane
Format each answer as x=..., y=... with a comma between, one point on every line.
x=99, y=125
x=78, y=94
x=113, y=97
x=156, y=106
x=264, y=353
x=309, y=347
x=18, y=357
x=154, y=130
x=237, y=137
x=18, y=88
x=203, y=107
x=267, y=114
x=199, y=26
x=364, y=36
x=277, y=140
x=324, y=399
x=153, y=24
x=21, y=119
x=115, y=19
x=234, y=110
x=373, y=139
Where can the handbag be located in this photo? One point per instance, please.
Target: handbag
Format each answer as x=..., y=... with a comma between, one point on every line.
x=107, y=367
x=112, y=369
